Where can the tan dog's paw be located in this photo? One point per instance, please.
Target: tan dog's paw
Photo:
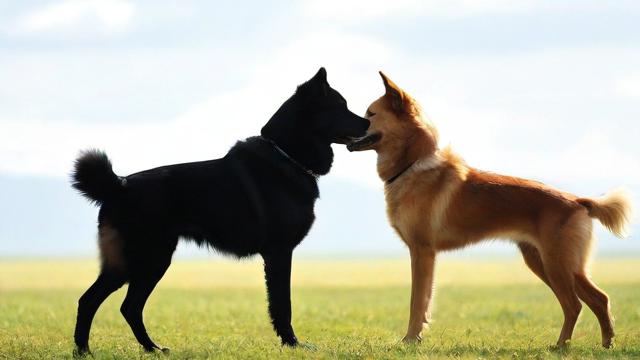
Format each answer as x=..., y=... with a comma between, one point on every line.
x=412, y=339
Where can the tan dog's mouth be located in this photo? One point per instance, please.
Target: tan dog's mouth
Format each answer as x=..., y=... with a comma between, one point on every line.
x=364, y=143
x=345, y=140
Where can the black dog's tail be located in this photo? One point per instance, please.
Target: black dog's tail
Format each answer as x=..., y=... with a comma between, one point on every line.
x=93, y=176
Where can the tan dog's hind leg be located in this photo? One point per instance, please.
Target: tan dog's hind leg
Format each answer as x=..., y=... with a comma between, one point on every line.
x=563, y=286
x=586, y=290
x=422, y=266
x=579, y=233
x=564, y=251
x=561, y=258
x=534, y=262
x=598, y=302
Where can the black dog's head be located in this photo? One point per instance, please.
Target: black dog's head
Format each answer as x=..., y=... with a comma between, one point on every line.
x=311, y=120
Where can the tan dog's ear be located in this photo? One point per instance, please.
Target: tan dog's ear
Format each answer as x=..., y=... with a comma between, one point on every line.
x=393, y=93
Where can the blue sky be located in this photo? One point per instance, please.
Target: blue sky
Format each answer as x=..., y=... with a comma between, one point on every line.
x=543, y=89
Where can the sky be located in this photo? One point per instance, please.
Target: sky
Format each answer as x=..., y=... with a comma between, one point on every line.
x=548, y=90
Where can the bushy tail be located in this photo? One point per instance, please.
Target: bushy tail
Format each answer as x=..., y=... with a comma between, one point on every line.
x=613, y=210
x=93, y=176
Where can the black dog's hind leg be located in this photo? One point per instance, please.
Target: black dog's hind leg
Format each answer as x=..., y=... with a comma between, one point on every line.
x=89, y=302
x=277, y=268
x=141, y=285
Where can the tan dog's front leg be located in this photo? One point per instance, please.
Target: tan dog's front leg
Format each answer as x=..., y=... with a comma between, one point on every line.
x=422, y=265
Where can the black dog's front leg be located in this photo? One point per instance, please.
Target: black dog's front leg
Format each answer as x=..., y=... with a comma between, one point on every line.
x=277, y=269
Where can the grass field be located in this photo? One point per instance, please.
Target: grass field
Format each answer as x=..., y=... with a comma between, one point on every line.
x=346, y=309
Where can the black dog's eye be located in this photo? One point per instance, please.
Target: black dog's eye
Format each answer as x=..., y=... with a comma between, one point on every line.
x=369, y=113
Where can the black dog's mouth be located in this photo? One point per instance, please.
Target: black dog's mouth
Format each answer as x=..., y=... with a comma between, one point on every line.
x=364, y=143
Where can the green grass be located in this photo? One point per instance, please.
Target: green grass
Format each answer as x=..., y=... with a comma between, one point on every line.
x=346, y=309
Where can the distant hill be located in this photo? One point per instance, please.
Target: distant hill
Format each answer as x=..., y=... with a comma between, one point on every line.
x=44, y=217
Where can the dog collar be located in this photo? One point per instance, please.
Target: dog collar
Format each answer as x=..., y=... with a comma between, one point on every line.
x=396, y=176
x=423, y=164
x=288, y=157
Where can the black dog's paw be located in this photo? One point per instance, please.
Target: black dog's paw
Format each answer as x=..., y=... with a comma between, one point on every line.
x=294, y=343
x=290, y=341
x=81, y=352
x=158, y=350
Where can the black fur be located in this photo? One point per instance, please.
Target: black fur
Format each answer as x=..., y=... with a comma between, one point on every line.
x=94, y=177
x=255, y=200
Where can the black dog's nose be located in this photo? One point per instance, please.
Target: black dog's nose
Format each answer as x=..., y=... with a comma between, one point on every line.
x=363, y=121
x=366, y=123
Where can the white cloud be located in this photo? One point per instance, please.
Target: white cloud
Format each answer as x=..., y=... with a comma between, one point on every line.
x=353, y=11
x=592, y=162
x=629, y=85
x=368, y=10
x=99, y=16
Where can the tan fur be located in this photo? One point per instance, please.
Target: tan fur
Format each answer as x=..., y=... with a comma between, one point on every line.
x=440, y=203
x=613, y=210
x=110, y=244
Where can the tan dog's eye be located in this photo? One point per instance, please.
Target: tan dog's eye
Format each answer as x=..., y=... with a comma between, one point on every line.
x=369, y=113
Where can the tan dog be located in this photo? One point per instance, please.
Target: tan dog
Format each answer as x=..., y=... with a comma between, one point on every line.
x=436, y=202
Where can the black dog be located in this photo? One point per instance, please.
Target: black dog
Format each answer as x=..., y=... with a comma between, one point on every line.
x=258, y=199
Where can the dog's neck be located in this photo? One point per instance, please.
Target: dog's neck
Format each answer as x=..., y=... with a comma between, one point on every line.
x=310, y=151
x=311, y=155
x=393, y=163
x=289, y=158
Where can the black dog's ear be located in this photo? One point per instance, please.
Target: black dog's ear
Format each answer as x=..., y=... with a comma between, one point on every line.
x=320, y=76
x=393, y=93
x=319, y=81
x=316, y=85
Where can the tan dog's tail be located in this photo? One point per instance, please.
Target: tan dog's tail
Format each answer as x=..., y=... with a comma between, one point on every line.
x=613, y=210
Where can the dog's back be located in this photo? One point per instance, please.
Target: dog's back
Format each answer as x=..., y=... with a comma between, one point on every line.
x=209, y=202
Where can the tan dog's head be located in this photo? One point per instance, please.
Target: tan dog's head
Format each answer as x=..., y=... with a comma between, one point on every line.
x=396, y=124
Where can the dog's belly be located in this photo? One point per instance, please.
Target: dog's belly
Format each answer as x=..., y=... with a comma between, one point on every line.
x=240, y=245
x=239, y=234
x=245, y=233
x=447, y=240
